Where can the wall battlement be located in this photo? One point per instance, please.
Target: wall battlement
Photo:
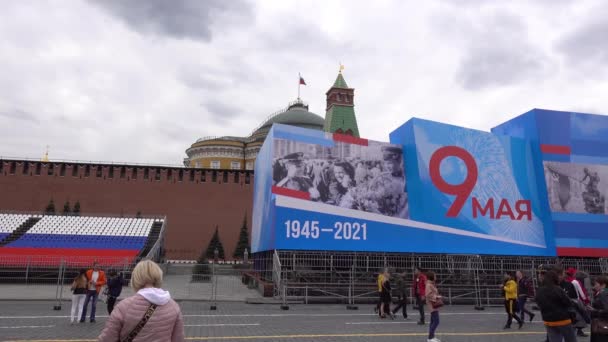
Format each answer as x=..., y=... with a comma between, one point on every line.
x=194, y=201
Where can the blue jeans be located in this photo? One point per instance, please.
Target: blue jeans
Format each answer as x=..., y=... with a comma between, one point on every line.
x=558, y=334
x=521, y=304
x=90, y=294
x=434, y=324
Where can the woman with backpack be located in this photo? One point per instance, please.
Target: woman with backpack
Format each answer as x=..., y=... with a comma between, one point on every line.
x=79, y=292
x=149, y=315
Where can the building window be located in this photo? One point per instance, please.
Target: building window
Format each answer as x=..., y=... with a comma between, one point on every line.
x=215, y=164
x=197, y=164
x=249, y=166
x=235, y=165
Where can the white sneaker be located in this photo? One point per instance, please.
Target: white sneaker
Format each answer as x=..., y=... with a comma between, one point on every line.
x=435, y=339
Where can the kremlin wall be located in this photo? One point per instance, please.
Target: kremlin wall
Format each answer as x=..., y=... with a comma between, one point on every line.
x=213, y=189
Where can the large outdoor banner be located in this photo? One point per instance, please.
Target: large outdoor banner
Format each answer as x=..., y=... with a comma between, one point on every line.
x=480, y=184
x=432, y=190
x=574, y=159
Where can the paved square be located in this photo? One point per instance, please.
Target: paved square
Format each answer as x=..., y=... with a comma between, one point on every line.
x=36, y=321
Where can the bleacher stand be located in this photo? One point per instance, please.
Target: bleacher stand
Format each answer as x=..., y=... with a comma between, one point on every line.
x=8, y=223
x=77, y=237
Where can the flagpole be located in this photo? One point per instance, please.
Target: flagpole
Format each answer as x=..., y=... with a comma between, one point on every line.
x=299, y=84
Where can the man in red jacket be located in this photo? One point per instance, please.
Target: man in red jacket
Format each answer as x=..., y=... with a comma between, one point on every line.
x=96, y=279
x=419, y=290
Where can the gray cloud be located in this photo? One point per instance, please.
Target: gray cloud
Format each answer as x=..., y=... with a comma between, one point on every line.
x=495, y=65
x=180, y=19
x=18, y=114
x=499, y=54
x=200, y=81
x=221, y=111
x=586, y=43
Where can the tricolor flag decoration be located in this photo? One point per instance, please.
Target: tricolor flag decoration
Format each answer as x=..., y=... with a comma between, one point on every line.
x=302, y=81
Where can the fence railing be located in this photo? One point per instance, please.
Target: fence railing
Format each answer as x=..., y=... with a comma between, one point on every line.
x=50, y=278
x=349, y=277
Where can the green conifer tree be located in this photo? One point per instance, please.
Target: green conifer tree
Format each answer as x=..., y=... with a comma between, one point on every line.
x=243, y=242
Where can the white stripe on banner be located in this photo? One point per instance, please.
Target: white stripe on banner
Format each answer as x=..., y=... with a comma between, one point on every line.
x=295, y=203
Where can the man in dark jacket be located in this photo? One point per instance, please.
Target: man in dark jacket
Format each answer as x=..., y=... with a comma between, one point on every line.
x=555, y=307
x=524, y=289
x=114, y=289
x=401, y=294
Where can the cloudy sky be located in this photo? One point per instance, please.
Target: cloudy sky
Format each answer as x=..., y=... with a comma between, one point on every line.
x=139, y=81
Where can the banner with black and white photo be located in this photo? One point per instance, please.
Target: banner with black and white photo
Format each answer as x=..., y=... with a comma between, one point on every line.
x=576, y=188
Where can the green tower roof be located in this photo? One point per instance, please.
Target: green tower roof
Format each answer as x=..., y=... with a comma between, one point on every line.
x=341, y=117
x=340, y=82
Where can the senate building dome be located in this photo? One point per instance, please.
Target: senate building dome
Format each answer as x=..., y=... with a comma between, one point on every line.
x=238, y=153
x=296, y=114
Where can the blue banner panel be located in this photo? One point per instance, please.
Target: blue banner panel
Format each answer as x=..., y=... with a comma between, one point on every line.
x=307, y=225
x=463, y=191
x=575, y=164
x=476, y=182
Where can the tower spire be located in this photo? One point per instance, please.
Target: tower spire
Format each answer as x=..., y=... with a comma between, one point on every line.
x=340, y=111
x=45, y=158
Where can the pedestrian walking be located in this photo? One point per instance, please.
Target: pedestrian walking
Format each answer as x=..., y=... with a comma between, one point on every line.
x=150, y=315
x=79, y=292
x=579, y=302
x=114, y=289
x=599, y=310
x=419, y=290
x=402, y=290
x=385, y=295
x=555, y=308
x=510, y=291
x=96, y=279
x=525, y=289
x=379, y=282
x=434, y=301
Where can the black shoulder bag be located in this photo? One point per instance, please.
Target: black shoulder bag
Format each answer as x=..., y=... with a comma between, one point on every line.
x=141, y=323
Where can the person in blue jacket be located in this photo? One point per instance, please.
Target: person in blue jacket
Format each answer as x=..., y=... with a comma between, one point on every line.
x=114, y=289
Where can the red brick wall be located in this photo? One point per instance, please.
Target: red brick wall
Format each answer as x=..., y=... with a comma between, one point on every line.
x=193, y=206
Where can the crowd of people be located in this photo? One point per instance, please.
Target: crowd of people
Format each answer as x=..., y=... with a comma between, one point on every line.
x=376, y=186
x=424, y=291
x=565, y=305
x=149, y=315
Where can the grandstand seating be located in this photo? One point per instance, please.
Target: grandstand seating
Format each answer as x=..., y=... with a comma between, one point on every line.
x=9, y=223
x=77, y=237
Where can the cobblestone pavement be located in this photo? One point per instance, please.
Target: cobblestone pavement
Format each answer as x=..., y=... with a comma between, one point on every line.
x=35, y=321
